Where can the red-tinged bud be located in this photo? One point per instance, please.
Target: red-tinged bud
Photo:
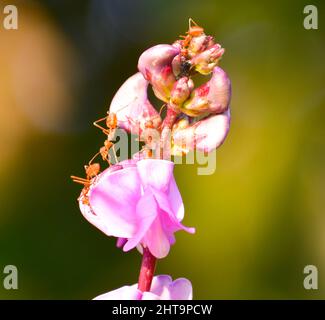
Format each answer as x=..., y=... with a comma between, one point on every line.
x=156, y=66
x=214, y=130
x=199, y=44
x=204, y=135
x=181, y=91
x=198, y=103
x=211, y=97
x=219, y=91
x=205, y=61
x=132, y=107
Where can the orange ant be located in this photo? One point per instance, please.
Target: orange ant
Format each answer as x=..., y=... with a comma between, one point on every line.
x=111, y=123
x=194, y=30
x=92, y=170
x=104, y=151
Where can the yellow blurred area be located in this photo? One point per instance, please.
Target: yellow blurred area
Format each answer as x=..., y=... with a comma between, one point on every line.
x=38, y=66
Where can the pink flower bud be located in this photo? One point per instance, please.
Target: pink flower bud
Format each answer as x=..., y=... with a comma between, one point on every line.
x=204, y=135
x=211, y=97
x=180, y=92
x=156, y=66
x=199, y=44
x=132, y=107
x=205, y=62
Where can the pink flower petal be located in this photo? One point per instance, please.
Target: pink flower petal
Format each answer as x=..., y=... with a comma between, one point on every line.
x=156, y=239
x=123, y=293
x=162, y=288
x=114, y=199
x=155, y=173
x=131, y=105
x=146, y=211
x=180, y=289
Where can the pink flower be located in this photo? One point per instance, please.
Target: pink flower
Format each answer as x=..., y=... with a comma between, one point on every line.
x=140, y=202
x=162, y=288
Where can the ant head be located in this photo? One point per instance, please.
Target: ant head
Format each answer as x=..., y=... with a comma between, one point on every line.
x=195, y=31
x=111, y=120
x=92, y=169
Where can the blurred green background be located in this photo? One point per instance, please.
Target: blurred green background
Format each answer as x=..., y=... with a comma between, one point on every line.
x=259, y=217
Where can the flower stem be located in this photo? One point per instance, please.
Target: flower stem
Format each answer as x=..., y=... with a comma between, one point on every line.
x=147, y=270
x=164, y=152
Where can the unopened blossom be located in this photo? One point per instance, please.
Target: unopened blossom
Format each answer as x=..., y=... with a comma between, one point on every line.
x=211, y=97
x=162, y=288
x=132, y=107
x=205, y=61
x=181, y=91
x=199, y=44
x=155, y=66
x=140, y=202
x=204, y=135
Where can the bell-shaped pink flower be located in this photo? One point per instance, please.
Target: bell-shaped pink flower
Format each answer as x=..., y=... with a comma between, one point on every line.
x=132, y=107
x=139, y=202
x=162, y=288
x=155, y=64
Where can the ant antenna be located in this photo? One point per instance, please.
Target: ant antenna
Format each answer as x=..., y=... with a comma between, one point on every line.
x=192, y=22
x=162, y=108
x=93, y=158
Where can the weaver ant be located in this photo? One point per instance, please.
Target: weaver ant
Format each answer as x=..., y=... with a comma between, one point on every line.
x=194, y=30
x=92, y=170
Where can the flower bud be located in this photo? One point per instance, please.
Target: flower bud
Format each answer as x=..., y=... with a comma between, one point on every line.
x=205, y=62
x=199, y=44
x=180, y=92
x=155, y=64
x=132, y=107
x=204, y=135
x=211, y=97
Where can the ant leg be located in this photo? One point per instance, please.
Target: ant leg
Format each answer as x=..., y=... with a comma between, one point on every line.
x=95, y=123
x=190, y=22
x=79, y=179
x=162, y=108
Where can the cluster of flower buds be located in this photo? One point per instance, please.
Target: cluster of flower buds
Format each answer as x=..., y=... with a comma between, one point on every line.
x=191, y=111
x=137, y=200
